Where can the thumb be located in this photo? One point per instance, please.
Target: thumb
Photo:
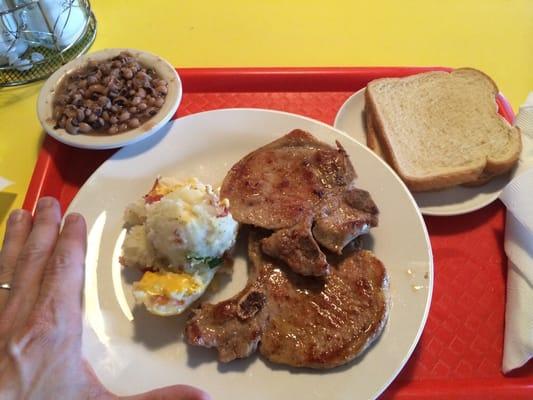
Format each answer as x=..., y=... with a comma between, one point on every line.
x=176, y=392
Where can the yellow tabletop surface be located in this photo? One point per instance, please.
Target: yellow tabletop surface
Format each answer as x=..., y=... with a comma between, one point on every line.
x=495, y=36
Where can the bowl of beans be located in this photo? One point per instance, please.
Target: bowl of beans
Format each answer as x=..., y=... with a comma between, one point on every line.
x=109, y=99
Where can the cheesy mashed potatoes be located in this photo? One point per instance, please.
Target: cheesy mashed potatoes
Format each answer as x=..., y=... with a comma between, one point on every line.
x=178, y=233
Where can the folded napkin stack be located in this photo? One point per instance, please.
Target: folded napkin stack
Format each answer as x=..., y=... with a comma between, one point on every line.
x=518, y=198
x=25, y=24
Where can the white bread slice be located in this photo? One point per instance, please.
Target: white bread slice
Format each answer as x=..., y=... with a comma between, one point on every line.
x=372, y=141
x=440, y=129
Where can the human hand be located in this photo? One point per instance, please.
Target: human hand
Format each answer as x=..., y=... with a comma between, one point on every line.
x=41, y=315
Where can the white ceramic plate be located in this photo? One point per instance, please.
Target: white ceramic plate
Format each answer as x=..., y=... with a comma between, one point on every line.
x=453, y=201
x=133, y=351
x=98, y=142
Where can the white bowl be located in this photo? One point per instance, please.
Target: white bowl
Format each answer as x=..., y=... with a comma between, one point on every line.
x=172, y=101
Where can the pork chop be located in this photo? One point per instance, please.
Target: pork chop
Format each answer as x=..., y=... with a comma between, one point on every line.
x=296, y=320
x=294, y=179
x=297, y=247
x=286, y=181
x=344, y=218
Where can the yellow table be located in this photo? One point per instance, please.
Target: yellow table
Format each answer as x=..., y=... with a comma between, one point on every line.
x=493, y=35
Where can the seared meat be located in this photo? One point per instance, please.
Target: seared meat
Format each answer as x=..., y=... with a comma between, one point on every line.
x=344, y=219
x=298, y=321
x=297, y=308
x=298, y=249
x=295, y=179
x=233, y=326
x=286, y=181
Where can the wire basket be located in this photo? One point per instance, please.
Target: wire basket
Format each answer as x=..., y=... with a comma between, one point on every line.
x=45, y=43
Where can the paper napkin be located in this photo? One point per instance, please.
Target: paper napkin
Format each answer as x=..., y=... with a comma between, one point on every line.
x=518, y=198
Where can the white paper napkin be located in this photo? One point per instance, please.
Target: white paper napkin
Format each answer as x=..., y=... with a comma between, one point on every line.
x=518, y=198
x=67, y=18
x=11, y=47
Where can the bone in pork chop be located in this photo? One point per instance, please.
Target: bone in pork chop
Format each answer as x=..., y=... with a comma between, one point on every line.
x=295, y=179
x=344, y=218
x=298, y=249
x=286, y=181
x=296, y=320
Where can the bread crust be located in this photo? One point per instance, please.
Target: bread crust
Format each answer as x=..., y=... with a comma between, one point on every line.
x=371, y=139
x=378, y=141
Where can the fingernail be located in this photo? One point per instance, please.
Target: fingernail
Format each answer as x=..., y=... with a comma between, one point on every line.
x=45, y=202
x=73, y=218
x=16, y=216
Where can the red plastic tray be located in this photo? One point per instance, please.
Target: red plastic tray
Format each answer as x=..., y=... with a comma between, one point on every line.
x=459, y=354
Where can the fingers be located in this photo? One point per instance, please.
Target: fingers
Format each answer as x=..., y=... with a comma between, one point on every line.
x=31, y=262
x=62, y=281
x=18, y=228
x=177, y=392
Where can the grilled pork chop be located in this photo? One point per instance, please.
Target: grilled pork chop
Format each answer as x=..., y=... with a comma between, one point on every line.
x=298, y=249
x=295, y=179
x=344, y=218
x=296, y=320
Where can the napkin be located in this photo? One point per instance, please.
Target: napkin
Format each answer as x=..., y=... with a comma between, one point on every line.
x=11, y=46
x=517, y=197
x=67, y=18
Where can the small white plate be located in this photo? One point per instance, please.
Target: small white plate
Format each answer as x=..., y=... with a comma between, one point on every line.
x=454, y=201
x=99, y=142
x=132, y=351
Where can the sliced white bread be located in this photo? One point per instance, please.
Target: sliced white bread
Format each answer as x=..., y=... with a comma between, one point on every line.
x=440, y=129
x=372, y=141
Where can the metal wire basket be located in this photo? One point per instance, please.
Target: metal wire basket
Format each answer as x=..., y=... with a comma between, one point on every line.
x=44, y=53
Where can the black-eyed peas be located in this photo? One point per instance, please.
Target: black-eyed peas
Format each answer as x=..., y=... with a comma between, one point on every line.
x=109, y=97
